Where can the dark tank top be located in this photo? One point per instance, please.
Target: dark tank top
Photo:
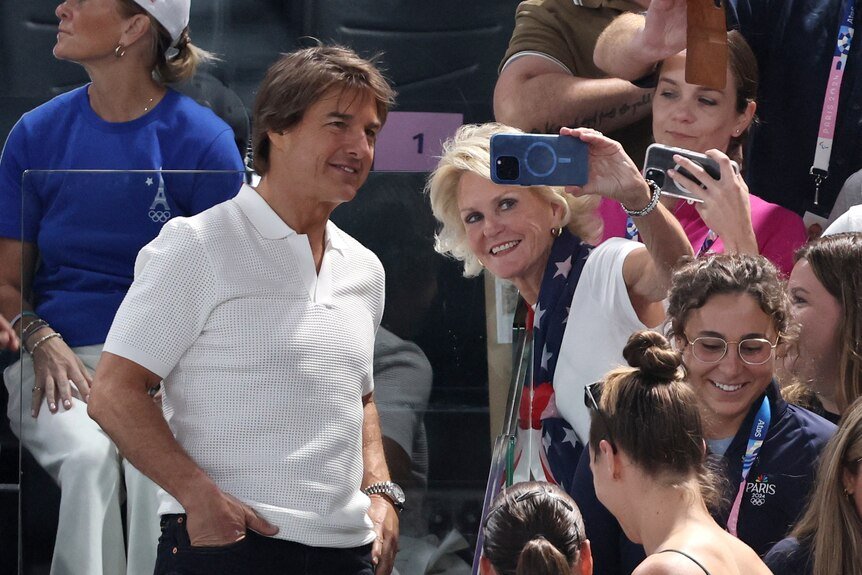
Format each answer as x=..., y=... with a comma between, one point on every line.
x=696, y=562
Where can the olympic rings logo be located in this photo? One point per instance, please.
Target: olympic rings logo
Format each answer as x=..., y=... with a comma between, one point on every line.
x=159, y=216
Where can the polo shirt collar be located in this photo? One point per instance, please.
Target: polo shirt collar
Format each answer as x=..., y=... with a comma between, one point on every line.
x=335, y=238
x=264, y=219
x=270, y=226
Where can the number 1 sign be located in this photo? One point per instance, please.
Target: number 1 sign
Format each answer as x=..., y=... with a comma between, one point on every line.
x=413, y=141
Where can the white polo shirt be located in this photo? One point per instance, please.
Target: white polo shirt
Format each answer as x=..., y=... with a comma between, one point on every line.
x=265, y=362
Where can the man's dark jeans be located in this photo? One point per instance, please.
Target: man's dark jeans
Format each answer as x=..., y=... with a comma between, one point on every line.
x=255, y=554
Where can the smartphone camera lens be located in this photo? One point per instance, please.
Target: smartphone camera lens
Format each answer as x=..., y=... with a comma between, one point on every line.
x=507, y=168
x=655, y=175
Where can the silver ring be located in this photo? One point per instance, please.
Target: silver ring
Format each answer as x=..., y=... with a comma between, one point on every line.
x=37, y=388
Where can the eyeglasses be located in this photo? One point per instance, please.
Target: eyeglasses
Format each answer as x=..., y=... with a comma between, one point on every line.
x=592, y=394
x=753, y=351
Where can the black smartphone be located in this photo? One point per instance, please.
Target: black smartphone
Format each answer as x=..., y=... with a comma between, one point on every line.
x=538, y=159
x=659, y=159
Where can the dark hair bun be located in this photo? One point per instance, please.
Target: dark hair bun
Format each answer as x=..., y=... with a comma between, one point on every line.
x=650, y=352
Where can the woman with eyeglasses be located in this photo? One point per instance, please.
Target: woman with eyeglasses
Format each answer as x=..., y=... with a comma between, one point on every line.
x=828, y=538
x=534, y=528
x=647, y=453
x=729, y=315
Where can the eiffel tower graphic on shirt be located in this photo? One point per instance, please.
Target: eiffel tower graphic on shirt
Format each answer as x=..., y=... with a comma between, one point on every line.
x=160, y=211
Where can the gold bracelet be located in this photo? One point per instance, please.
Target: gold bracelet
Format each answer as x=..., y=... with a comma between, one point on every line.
x=42, y=340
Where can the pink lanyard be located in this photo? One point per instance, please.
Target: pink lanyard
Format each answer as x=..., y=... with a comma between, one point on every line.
x=823, y=149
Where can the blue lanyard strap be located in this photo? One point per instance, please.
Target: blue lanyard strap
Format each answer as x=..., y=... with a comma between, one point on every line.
x=759, y=428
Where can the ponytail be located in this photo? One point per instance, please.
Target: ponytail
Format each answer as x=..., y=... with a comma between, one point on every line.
x=184, y=58
x=170, y=63
x=540, y=557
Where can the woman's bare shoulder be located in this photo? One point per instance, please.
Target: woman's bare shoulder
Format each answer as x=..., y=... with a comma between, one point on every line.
x=668, y=563
x=747, y=560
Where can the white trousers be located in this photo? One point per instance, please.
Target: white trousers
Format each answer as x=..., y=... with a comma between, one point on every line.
x=93, y=481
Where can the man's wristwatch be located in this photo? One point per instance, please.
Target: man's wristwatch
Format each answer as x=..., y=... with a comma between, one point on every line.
x=391, y=490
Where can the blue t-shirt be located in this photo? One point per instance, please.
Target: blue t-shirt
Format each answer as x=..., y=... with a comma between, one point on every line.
x=89, y=227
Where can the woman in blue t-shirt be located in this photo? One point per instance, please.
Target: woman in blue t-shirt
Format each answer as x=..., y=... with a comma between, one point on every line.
x=76, y=241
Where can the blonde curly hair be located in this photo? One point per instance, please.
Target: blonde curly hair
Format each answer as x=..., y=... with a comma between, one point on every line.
x=469, y=151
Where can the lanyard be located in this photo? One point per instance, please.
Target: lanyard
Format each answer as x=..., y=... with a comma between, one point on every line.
x=755, y=440
x=633, y=234
x=823, y=149
x=710, y=238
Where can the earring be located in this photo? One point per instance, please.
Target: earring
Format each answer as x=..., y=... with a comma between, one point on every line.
x=556, y=232
x=481, y=265
x=120, y=50
x=736, y=132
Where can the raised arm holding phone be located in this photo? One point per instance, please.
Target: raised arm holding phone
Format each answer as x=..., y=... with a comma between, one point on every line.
x=797, y=157
x=586, y=301
x=716, y=210
x=548, y=78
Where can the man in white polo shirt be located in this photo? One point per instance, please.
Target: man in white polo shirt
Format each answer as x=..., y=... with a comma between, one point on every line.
x=259, y=315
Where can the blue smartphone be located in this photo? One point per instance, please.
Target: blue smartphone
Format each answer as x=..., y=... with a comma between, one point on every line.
x=538, y=159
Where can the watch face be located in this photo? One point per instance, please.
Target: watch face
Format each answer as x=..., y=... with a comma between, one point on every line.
x=397, y=492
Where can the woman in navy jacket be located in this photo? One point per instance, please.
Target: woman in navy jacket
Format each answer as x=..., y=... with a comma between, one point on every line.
x=729, y=315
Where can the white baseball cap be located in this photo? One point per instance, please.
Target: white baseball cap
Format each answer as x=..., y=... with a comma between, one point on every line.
x=172, y=14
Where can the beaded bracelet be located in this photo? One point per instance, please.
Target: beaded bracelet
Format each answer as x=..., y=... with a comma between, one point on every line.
x=653, y=201
x=31, y=328
x=20, y=316
x=43, y=340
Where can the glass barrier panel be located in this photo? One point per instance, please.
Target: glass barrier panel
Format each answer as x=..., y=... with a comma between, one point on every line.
x=430, y=373
x=81, y=233
x=436, y=361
